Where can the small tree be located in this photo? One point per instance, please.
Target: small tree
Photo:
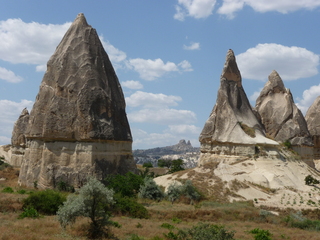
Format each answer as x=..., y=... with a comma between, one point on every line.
x=92, y=202
x=309, y=180
x=174, y=192
x=176, y=165
x=190, y=191
x=147, y=165
x=151, y=190
x=164, y=163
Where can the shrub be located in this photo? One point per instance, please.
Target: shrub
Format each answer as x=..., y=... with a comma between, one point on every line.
x=126, y=185
x=147, y=165
x=309, y=180
x=65, y=187
x=21, y=191
x=3, y=165
x=174, y=192
x=190, y=191
x=29, y=212
x=130, y=207
x=7, y=190
x=151, y=190
x=260, y=234
x=287, y=144
x=164, y=163
x=93, y=201
x=204, y=231
x=46, y=202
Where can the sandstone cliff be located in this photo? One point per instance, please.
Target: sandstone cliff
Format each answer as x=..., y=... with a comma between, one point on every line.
x=232, y=127
x=78, y=125
x=18, y=139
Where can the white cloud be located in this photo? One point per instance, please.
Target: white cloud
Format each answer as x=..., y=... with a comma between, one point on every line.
x=290, y=62
x=255, y=95
x=194, y=8
x=152, y=100
x=10, y=111
x=186, y=66
x=164, y=116
x=229, y=7
x=31, y=43
x=9, y=76
x=308, y=98
x=152, y=69
x=132, y=84
x=184, y=129
x=192, y=46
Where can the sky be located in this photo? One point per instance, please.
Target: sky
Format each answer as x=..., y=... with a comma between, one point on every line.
x=168, y=55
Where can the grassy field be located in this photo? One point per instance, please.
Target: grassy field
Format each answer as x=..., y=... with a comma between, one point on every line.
x=240, y=217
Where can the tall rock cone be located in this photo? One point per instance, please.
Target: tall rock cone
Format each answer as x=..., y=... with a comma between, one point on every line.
x=78, y=125
x=232, y=127
x=313, y=121
x=281, y=118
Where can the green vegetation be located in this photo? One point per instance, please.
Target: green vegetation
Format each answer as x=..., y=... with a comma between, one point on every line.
x=3, y=165
x=174, y=192
x=65, y=187
x=29, y=212
x=260, y=234
x=147, y=165
x=7, y=190
x=46, y=202
x=248, y=130
x=129, y=207
x=173, y=165
x=151, y=190
x=93, y=201
x=309, y=180
x=288, y=144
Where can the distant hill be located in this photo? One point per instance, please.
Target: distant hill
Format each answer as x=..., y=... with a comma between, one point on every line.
x=183, y=150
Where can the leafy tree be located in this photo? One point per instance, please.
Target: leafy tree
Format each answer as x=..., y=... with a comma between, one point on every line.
x=164, y=163
x=151, y=190
x=174, y=191
x=260, y=234
x=176, y=165
x=93, y=202
x=126, y=185
x=309, y=180
x=129, y=207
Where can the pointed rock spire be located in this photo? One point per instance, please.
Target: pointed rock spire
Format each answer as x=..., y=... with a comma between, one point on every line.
x=78, y=125
x=232, y=117
x=279, y=114
x=313, y=117
x=80, y=97
x=18, y=134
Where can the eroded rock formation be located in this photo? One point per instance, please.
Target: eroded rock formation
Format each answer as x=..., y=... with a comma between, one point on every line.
x=18, y=139
x=281, y=118
x=313, y=121
x=78, y=125
x=279, y=114
x=232, y=127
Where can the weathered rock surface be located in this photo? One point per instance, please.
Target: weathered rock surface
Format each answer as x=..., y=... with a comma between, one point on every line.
x=18, y=139
x=313, y=121
x=78, y=125
x=279, y=114
x=232, y=121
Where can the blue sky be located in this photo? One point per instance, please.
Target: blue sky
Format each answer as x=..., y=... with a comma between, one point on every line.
x=168, y=55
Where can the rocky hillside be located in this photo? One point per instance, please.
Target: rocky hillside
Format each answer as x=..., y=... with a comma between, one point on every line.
x=183, y=150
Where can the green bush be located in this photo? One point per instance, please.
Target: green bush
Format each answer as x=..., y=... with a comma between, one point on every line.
x=130, y=207
x=3, y=165
x=65, y=187
x=190, y=191
x=260, y=234
x=29, y=212
x=7, y=190
x=309, y=180
x=174, y=192
x=164, y=163
x=45, y=202
x=176, y=165
x=127, y=185
x=21, y=191
x=147, y=165
x=298, y=221
x=93, y=201
x=151, y=190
